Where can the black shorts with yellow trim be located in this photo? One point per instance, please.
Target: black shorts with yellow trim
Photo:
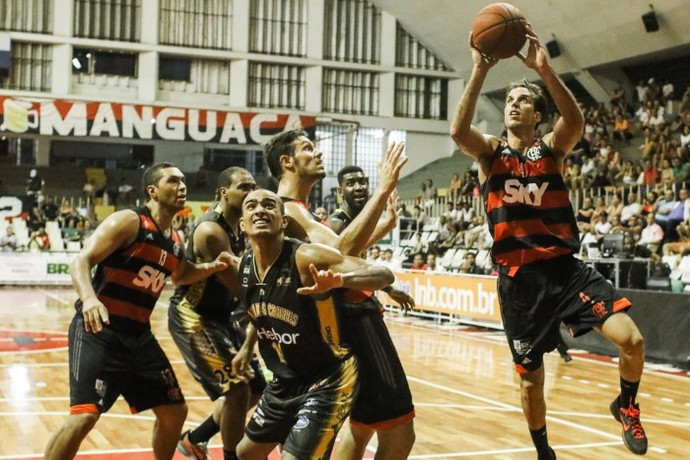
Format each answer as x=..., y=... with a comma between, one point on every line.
x=304, y=414
x=111, y=363
x=208, y=347
x=536, y=298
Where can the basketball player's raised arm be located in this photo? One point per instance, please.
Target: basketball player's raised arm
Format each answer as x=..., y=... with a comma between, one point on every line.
x=388, y=223
x=568, y=128
x=468, y=138
x=323, y=268
x=356, y=237
x=189, y=273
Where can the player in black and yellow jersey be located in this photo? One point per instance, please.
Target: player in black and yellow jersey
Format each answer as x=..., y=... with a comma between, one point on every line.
x=297, y=326
x=200, y=320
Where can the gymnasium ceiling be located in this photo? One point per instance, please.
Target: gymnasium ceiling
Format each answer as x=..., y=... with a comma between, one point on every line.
x=591, y=33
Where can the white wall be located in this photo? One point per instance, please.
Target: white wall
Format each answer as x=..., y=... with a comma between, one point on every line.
x=423, y=149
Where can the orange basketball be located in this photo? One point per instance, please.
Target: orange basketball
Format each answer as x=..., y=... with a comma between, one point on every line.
x=498, y=30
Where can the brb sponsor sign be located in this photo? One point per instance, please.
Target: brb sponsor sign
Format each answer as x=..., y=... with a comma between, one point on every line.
x=132, y=121
x=471, y=297
x=35, y=268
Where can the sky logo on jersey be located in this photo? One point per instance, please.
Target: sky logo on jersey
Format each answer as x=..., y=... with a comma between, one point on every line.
x=275, y=336
x=531, y=194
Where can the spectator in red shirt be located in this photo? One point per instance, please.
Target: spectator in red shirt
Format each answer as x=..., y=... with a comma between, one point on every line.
x=418, y=263
x=650, y=175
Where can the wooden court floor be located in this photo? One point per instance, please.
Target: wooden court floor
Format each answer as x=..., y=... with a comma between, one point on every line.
x=462, y=380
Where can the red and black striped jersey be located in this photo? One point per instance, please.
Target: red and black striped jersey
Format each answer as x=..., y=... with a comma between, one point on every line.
x=527, y=206
x=130, y=280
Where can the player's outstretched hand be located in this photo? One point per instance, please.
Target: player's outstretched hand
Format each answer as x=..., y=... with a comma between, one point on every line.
x=390, y=166
x=405, y=300
x=223, y=261
x=324, y=281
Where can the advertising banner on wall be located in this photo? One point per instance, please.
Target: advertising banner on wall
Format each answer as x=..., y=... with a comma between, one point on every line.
x=35, y=268
x=466, y=296
x=144, y=122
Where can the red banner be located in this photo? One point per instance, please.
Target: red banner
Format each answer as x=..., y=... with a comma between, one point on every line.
x=133, y=121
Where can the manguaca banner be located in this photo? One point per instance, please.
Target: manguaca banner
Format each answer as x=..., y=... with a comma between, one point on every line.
x=134, y=121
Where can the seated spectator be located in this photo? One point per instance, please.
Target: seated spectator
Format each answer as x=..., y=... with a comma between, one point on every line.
x=667, y=173
x=49, y=209
x=432, y=266
x=321, y=213
x=9, y=241
x=633, y=207
x=466, y=216
x=589, y=167
x=406, y=219
x=387, y=260
x=649, y=176
x=418, y=247
x=652, y=235
x=601, y=178
x=449, y=241
x=677, y=215
x=374, y=254
x=66, y=212
x=469, y=184
x=478, y=236
x=664, y=206
x=601, y=225
x=627, y=175
x=621, y=130
x=418, y=263
x=615, y=206
x=450, y=213
x=599, y=204
x=616, y=224
x=649, y=203
x=469, y=265
x=574, y=179
x=420, y=218
x=635, y=225
x=39, y=240
x=681, y=170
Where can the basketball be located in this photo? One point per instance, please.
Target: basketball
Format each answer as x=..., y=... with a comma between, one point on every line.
x=498, y=30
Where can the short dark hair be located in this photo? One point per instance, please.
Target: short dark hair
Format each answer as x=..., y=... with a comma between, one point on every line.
x=225, y=177
x=279, y=145
x=541, y=105
x=153, y=175
x=347, y=170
